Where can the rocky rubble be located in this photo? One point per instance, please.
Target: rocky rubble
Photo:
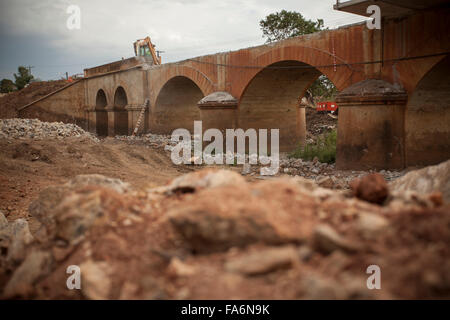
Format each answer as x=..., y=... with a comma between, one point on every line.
x=326, y=175
x=213, y=235
x=35, y=129
x=154, y=140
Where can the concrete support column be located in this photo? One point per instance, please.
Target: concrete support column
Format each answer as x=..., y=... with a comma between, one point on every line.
x=219, y=111
x=91, y=119
x=371, y=126
x=301, y=124
x=111, y=116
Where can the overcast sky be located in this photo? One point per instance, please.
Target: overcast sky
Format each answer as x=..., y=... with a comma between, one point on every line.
x=35, y=32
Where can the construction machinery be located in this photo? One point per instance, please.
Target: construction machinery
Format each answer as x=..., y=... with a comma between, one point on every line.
x=327, y=106
x=145, y=48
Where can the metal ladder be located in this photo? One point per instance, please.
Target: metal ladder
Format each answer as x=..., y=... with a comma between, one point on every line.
x=141, y=115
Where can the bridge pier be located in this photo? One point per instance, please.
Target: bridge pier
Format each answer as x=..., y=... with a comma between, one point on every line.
x=427, y=118
x=371, y=126
x=91, y=119
x=97, y=121
x=301, y=127
x=218, y=110
x=111, y=119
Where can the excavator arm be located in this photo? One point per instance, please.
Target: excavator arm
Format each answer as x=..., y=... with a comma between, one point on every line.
x=145, y=47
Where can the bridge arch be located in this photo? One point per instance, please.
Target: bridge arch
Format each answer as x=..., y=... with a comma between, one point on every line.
x=201, y=80
x=343, y=75
x=427, y=117
x=101, y=115
x=176, y=105
x=120, y=112
x=271, y=100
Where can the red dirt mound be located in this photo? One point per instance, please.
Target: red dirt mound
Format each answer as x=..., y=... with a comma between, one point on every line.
x=10, y=102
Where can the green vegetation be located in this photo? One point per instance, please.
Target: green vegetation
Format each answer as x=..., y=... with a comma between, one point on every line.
x=323, y=89
x=23, y=78
x=7, y=86
x=287, y=24
x=324, y=149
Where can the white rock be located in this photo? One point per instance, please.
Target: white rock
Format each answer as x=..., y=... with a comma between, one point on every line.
x=36, y=265
x=246, y=168
x=326, y=239
x=20, y=238
x=95, y=280
x=178, y=268
x=3, y=221
x=427, y=180
x=263, y=261
x=369, y=224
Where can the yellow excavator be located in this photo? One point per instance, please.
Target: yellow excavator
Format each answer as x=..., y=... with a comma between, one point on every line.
x=145, y=48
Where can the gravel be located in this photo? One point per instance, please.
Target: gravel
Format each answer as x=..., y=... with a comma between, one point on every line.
x=154, y=140
x=323, y=173
x=315, y=170
x=36, y=129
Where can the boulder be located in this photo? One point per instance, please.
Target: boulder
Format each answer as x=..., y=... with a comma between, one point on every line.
x=42, y=208
x=80, y=210
x=427, y=180
x=273, y=212
x=208, y=178
x=372, y=188
x=15, y=236
x=36, y=265
x=75, y=205
x=95, y=280
x=20, y=238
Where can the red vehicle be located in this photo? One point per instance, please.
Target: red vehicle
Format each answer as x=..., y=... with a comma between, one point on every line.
x=327, y=106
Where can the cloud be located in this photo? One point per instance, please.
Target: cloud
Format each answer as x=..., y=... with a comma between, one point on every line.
x=182, y=28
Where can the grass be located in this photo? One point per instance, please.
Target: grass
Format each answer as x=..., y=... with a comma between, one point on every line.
x=324, y=149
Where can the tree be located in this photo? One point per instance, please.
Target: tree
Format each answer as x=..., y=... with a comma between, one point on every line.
x=7, y=85
x=23, y=78
x=322, y=89
x=287, y=24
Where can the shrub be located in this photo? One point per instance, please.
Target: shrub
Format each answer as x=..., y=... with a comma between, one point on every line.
x=324, y=149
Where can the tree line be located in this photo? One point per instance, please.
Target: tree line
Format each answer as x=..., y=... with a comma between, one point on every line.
x=22, y=78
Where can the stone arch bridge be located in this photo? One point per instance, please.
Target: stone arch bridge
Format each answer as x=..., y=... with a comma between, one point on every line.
x=394, y=86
